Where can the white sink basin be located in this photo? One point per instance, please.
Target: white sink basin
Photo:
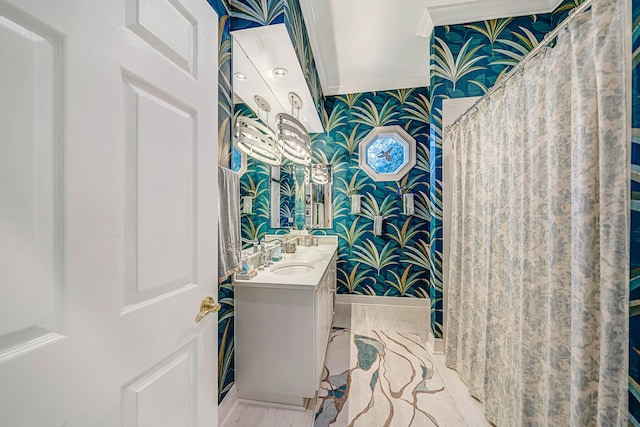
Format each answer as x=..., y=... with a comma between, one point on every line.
x=306, y=259
x=292, y=269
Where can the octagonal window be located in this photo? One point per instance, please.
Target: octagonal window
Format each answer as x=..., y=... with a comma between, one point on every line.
x=238, y=160
x=387, y=153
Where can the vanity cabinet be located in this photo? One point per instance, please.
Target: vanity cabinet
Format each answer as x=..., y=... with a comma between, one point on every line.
x=281, y=335
x=324, y=308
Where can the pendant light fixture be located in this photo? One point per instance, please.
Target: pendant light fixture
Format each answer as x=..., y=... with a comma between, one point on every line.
x=293, y=139
x=320, y=174
x=256, y=139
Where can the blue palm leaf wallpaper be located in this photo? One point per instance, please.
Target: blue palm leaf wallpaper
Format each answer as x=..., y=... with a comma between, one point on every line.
x=225, y=89
x=367, y=265
x=225, y=124
x=256, y=13
x=562, y=11
x=370, y=265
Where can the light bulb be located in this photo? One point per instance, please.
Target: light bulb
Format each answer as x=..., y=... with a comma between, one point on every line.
x=280, y=72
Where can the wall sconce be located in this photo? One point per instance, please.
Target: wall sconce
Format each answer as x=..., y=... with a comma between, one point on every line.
x=377, y=225
x=247, y=205
x=408, y=207
x=356, y=204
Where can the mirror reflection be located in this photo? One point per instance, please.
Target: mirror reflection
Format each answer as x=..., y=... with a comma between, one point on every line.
x=298, y=188
x=318, y=197
x=277, y=194
x=283, y=196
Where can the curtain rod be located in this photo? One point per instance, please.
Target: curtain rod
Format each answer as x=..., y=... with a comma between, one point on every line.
x=517, y=68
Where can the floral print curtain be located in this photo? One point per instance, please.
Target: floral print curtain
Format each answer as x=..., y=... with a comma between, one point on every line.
x=537, y=321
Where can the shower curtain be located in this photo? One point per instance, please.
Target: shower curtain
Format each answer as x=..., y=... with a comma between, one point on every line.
x=538, y=288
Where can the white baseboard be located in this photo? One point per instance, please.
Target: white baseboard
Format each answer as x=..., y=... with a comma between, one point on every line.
x=228, y=403
x=389, y=301
x=436, y=344
x=273, y=400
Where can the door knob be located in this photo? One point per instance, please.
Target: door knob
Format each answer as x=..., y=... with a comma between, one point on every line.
x=208, y=306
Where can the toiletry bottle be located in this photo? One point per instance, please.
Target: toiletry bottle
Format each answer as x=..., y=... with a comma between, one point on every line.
x=245, y=266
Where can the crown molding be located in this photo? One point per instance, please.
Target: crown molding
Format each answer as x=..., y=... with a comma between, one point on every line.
x=325, y=58
x=313, y=33
x=553, y=5
x=426, y=27
x=447, y=14
x=378, y=85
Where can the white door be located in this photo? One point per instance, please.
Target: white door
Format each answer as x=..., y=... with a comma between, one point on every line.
x=108, y=213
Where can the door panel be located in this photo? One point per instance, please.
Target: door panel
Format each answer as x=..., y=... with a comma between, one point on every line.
x=108, y=210
x=29, y=179
x=165, y=394
x=161, y=149
x=168, y=27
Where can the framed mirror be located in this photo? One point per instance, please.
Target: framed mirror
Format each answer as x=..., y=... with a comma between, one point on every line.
x=318, y=196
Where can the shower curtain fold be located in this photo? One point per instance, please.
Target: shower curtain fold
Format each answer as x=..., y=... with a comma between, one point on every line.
x=538, y=286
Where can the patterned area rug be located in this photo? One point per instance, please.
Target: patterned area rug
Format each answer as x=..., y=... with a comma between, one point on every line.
x=381, y=379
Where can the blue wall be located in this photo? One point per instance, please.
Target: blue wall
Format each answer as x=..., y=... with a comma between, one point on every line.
x=397, y=263
x=225, y=124
x=563, y=10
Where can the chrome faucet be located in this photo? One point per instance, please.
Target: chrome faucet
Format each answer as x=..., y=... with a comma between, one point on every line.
x=280, y=241
x=252, y=242
x=261, y=260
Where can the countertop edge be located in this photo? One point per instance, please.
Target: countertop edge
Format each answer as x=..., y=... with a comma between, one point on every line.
x=256, y=283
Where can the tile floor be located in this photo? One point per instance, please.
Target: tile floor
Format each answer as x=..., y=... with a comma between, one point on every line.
x=361, y=318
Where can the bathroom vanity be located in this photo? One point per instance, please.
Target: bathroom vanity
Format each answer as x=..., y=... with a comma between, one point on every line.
x=283, y=320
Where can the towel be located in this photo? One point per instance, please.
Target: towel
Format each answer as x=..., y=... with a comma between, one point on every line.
x=229, y=242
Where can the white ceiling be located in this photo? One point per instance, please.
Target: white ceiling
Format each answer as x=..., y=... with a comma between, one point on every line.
x=371, y=45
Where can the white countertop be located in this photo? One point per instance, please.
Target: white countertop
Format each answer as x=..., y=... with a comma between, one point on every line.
x=319, y=256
